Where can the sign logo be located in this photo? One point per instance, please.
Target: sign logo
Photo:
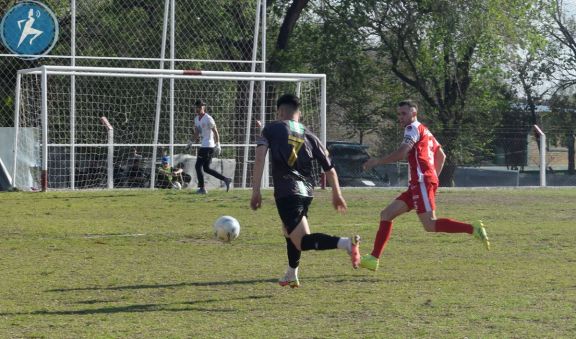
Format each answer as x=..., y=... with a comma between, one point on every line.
x=29, y=28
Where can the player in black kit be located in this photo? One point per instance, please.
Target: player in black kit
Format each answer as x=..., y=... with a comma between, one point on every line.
x=292, y=150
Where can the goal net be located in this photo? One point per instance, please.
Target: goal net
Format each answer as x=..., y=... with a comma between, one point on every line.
x=114, y=125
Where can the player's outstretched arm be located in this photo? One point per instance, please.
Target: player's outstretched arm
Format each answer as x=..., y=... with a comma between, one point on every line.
x=256, y=200
x=337, y=199
x=399, y=154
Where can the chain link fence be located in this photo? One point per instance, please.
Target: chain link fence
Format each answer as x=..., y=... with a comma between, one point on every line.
x=507, y=156
x=130, y=33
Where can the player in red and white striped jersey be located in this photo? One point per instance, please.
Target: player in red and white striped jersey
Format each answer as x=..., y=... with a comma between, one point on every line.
x=426, y=159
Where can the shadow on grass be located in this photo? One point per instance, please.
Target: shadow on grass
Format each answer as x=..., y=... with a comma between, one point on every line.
x=84, y=195
x=183, y=284
x=140, y=308
x=327, y=278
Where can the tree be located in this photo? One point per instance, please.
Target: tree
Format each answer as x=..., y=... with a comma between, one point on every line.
x=531, y=69
x=359, y=91
x=563, y=120
x=438, y=48
x=531, y=59
x=289, y=19
x=562, y=31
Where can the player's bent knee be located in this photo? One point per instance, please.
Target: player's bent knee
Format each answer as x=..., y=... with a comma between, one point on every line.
x=297, y=242
x=429, y=226
x=384, y=215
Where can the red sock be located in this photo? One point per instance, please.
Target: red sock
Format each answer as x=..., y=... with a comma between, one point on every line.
x=382, y=237
x=453, y=226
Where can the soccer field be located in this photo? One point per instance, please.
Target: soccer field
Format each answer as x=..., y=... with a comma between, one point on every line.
x=143, y=264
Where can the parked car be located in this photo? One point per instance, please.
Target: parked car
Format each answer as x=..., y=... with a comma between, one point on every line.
x=348, y=159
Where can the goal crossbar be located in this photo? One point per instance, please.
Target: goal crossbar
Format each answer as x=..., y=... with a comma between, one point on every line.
x=175, y=76
x=101, y=71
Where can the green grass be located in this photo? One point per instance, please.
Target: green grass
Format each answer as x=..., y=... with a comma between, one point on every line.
x=143, y=264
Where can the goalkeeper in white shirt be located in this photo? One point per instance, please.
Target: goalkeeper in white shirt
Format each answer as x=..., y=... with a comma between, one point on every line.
x=205, y=129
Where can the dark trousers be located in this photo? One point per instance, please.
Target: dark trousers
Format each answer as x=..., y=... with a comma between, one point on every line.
x=203, y=163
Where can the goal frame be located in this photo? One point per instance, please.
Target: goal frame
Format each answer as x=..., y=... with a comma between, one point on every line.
x=161, y=75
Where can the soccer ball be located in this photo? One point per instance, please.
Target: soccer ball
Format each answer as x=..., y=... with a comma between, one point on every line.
x=176, y=185
x=226, y=228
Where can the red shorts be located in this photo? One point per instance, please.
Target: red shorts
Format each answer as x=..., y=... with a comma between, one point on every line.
x=420, y=196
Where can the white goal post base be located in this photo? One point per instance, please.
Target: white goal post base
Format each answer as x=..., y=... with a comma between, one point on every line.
x=61, y=143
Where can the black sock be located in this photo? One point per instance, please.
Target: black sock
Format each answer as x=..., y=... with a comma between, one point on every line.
x=319, y=242
x=293, y=254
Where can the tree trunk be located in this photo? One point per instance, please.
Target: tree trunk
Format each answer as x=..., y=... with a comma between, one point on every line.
x=447, y=175
x=571, y=169
x=449, y=137
x=290, y=19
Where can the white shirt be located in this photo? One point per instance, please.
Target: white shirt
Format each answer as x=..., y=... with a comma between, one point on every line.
x=205, y=124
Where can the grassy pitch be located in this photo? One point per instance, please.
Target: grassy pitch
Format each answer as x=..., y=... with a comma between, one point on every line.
x=143, y=264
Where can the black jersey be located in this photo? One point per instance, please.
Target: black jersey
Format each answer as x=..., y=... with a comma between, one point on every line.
x=293, y=148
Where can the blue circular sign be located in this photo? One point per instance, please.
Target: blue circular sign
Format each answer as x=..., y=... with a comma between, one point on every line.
x=29, y=28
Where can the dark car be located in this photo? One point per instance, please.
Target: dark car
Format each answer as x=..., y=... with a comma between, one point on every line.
x=348, y=159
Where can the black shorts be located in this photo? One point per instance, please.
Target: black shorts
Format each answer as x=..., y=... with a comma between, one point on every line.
x=292, y=209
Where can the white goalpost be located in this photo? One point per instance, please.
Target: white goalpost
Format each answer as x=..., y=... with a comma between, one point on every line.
x=542, y=161
x=122, y=123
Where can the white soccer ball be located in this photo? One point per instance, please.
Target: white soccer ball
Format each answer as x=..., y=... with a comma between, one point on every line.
x=177, y=185
x=226, y=228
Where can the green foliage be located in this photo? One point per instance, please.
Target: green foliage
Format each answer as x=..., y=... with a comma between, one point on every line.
x=560, y=26
x=143, y=264
x=360, y=91
x=563, y=106
x=441, y=51
x=447, y=52
x=560, y=124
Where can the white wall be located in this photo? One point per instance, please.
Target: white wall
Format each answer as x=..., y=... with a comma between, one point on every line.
x=225, y=166
x=27, y=157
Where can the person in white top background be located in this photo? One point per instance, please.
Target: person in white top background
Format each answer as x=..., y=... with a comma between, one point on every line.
x=205, y=129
